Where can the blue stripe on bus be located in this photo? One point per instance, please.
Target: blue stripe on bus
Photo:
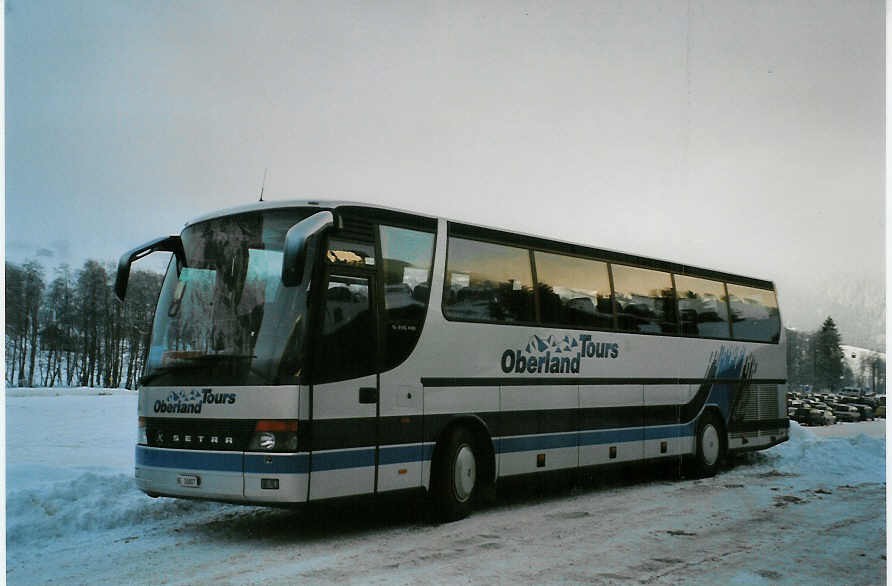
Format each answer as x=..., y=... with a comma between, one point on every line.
x=287, y=464
x=214, y=461
x=588, y=438
x=669, y=431
x=400, y=454
x=611, y=436
x=343, y=459
x=222, y=461
x=535, y=442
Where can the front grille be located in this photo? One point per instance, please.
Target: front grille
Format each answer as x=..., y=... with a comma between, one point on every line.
x=227, y=435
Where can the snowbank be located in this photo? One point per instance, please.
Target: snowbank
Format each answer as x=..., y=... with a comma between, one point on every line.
x=853, y=460
x=89, y=503
x=70, y=469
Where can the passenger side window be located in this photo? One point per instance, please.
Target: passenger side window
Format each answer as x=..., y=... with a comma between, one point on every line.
x=573, y=291
x=645, y=301
x=347, y=344
x=407, y=256
x=754, y=314
x=488, y=282
x=702, y=307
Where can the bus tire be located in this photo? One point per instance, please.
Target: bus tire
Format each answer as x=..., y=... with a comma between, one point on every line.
x=456, y=475
x=710, y=447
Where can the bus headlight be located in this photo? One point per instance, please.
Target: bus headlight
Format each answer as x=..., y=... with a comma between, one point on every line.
x=274, y=435
x=141, y=437
x=266, y=440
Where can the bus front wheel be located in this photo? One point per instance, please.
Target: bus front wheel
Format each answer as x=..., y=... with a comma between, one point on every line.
x=455, y=482
x=710, y=447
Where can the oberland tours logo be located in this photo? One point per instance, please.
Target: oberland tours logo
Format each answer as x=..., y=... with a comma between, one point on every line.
x=554, y=355
x=191, y=402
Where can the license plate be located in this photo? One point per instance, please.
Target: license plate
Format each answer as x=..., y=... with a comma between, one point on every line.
x=189, y=480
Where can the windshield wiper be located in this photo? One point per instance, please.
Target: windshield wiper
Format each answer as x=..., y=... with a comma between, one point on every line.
x=158, y=372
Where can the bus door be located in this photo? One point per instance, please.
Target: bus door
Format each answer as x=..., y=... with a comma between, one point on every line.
x=344, y=400
x=406, y=256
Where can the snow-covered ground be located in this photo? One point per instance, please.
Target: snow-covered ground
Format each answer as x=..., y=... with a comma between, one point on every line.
x=810, y=511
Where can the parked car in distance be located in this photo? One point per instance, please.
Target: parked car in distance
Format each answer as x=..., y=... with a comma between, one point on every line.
x=864, y=410
x=802, y=415
x=829, y=417
x=846, y=413
x=855, y=395
x=807, y=415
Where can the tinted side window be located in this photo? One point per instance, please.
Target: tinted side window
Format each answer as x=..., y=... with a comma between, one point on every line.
x=347, y=344
x=488, y=282
x=754, y=314
x=406, y=269
x=702, y=307
x=644, y=300
x=573, y=291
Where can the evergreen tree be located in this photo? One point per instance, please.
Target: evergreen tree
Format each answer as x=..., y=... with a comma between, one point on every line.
x=800, y=359
x=878, y=380
x=829, y=365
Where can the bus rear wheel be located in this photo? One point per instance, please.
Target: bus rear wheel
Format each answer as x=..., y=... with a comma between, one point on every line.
x=710, y=447
x=455, y=482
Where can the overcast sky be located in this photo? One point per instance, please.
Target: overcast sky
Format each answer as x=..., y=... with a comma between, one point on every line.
x=740, y=136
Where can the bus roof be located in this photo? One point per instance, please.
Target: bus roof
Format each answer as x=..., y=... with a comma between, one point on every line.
x=463, y=229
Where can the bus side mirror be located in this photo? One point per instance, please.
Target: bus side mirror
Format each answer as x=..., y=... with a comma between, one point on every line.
x=165, y=244
x=297, y=241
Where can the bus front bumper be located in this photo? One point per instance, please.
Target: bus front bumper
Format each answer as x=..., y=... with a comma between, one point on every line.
x=245, y=477
x=759, y=439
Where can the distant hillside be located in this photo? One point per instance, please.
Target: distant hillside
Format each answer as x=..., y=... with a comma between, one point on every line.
x=859, y=309
x=857, y=306
x=859, y=361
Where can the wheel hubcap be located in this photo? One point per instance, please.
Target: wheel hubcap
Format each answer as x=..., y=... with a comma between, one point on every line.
x=464, y=473
x=709, y=442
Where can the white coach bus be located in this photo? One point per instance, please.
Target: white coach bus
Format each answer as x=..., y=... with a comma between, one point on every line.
x=304, y=351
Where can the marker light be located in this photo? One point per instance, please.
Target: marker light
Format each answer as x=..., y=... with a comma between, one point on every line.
x=276, y=425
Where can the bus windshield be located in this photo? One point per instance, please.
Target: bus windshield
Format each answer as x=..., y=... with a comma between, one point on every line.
x=223, y=316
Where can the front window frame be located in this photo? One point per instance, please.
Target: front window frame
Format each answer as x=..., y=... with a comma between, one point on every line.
x=272, y=356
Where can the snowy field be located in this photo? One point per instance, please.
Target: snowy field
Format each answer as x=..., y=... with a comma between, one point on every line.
x=810, y=511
